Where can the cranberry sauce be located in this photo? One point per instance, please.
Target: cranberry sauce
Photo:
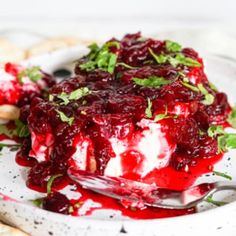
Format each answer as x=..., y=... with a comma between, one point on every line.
x=18, y=92
x=118, y=88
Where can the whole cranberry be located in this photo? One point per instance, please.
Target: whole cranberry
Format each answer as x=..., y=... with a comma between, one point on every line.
x=56, y=202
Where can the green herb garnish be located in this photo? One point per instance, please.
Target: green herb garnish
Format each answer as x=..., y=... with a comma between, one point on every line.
x=37, y=202
x=160, y=59
x=186, y=61
x=50, y=182
x=34, y=74
x=152, y=81
x=232, y=117
x=209, y=199
x=75, y=95
x=126, y=66
x=13, y=147
x=101, y=58
x=192, y=87
x=148, y=110
x=209, y=98
x=65, y=118
x=172, y=46
x=214, y=130
x=224, y=140
x=179, y=58
x=212, y=86
x=6, y=131
x=21, y=130
x=222, y=175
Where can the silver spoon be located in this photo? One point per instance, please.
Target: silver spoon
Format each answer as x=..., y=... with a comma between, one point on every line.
x=145, y=194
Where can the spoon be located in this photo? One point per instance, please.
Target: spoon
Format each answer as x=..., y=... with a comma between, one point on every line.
x=143, y=194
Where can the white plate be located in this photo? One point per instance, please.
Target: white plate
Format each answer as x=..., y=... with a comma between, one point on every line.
x=220, y=221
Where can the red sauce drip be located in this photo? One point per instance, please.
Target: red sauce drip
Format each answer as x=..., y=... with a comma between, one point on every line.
x=112, y=204
x=25, y=160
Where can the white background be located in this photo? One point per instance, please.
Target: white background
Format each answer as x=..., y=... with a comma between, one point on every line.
x=96, y=18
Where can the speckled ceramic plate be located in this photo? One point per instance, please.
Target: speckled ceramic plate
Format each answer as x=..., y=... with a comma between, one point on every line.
x=209, y=220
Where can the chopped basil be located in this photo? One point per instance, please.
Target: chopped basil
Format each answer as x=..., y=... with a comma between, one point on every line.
x=50, y=182
x=148, y=110
x=101, y=58
x=152, y=81
x=34, y=74
x=209, y=98
x=214, y=130
x=221, y=142
x=172, y=46
x=179, y=58
x=126, y=66
x=160, y=117
x=160, y=59
x=37, y=202
x=186, y=61
x=188, y=85
x=226, y=141
x=222, y=175
x=4, y=130
x=209, y=199
x=65, y=118
x=21, y=130
x=213, y=87
x=13, y=147
x=64, y=97
x=50, y=98
x=75, y=95
x=79, y=93
x=232, y=117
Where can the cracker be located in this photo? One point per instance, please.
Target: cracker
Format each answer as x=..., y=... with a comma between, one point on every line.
x=52, y=44
x=10, y=52
x=9, y=112
x=10, y=231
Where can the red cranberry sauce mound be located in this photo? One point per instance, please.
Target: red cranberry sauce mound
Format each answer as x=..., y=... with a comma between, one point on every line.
x=137, y=108
x=19, y=85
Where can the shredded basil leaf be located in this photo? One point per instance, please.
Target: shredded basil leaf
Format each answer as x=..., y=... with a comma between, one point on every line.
x=172, y=46
x=232, y=118
x=148, y=110
x=159, y=117
x=209, y=98
x=160, y=59
x=152, y=81
x=21, y=130
x=213, y=87
x=50, y=182
x=34, y=74
x=75, y=95
x=65, y=118
x=101, y=58
x=188, y=85
x=222, y=175
x=209, y=199
x=186, y=61
x=37, y=202
x=126, y=66
x=214, y=130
